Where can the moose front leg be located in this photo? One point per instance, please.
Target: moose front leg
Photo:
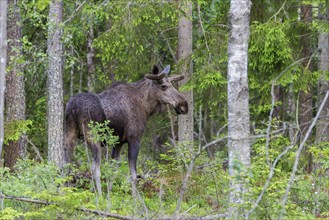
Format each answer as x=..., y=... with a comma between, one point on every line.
x=116, y=151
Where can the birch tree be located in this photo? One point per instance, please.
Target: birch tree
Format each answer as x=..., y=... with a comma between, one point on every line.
x=3, y=63
x=91, y=59
x=238, y=102
x=55, y=110
x=185, y=122
x=15, y=92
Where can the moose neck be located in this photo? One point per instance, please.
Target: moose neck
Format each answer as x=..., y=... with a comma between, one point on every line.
x=147, y=93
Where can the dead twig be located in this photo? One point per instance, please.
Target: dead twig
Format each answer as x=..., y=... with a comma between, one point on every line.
x=34, y=148
x=74, y=13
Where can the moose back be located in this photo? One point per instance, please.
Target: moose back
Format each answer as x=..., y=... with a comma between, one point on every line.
x=127, y=106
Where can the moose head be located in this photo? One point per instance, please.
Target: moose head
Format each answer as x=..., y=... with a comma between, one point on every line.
x=165, y=92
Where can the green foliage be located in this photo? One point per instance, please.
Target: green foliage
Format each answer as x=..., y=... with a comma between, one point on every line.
x=135, y=35
x=44, y=182
x=38, y=131
x=129, y=37
x=40, y=4
x=101, y=132
x=9, y=213
x=209, y=82
x=270, y=53
x=41, y=182
x=320, y=154
x=307, y=192
x=210, y=59
x=34, y=15
x=208, y=188
x=15, y=129
x=275, y=55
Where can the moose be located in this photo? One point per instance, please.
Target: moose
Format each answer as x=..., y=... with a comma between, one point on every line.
x=127, y=106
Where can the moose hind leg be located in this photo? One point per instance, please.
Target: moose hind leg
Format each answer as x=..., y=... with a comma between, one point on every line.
x=96, y=154
x=133, y=150
x=69, y=144
x=96, y=165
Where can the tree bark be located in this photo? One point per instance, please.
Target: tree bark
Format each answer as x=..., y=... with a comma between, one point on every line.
x=15, y=93
x=90, y=59
x=185, y=122
x=3, y=63
x=72, y=74
x=291, y=113
x=238, y=102
x=305, y=97
x=322, y=126
x=55, y=110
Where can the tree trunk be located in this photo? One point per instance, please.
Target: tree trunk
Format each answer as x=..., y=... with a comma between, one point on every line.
x=322, y=126
x=185, y=122
x=72, y=75
x=15, y=93
x=305, y=98
x=90, y=59
x=55, y=108
x=80, y=77
x=3, y=63
x=238, y=101
x=291, y=113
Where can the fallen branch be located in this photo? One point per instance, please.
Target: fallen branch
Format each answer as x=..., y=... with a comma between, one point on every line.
x=98, y=212
x=208, y=217
x=107, y=214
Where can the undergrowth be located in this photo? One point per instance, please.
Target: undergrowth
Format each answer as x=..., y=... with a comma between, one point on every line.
x=67, y=191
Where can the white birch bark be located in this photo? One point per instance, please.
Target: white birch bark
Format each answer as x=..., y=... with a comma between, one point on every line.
x=238, y=101
x=55, y=108
x=185, y=122
x=90, y=59
x=3, y=63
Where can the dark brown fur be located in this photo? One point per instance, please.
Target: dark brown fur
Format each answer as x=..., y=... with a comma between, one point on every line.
x=127, y=106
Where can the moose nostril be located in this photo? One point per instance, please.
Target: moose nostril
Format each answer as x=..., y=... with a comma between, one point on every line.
x=184, y=108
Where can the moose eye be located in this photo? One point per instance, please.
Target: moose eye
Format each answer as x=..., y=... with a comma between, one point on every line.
x=164, y=87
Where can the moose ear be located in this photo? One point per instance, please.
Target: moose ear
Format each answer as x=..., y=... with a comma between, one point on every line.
x=155, y=70
x=166, y=70
x=176, y=78
x=155, y=75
